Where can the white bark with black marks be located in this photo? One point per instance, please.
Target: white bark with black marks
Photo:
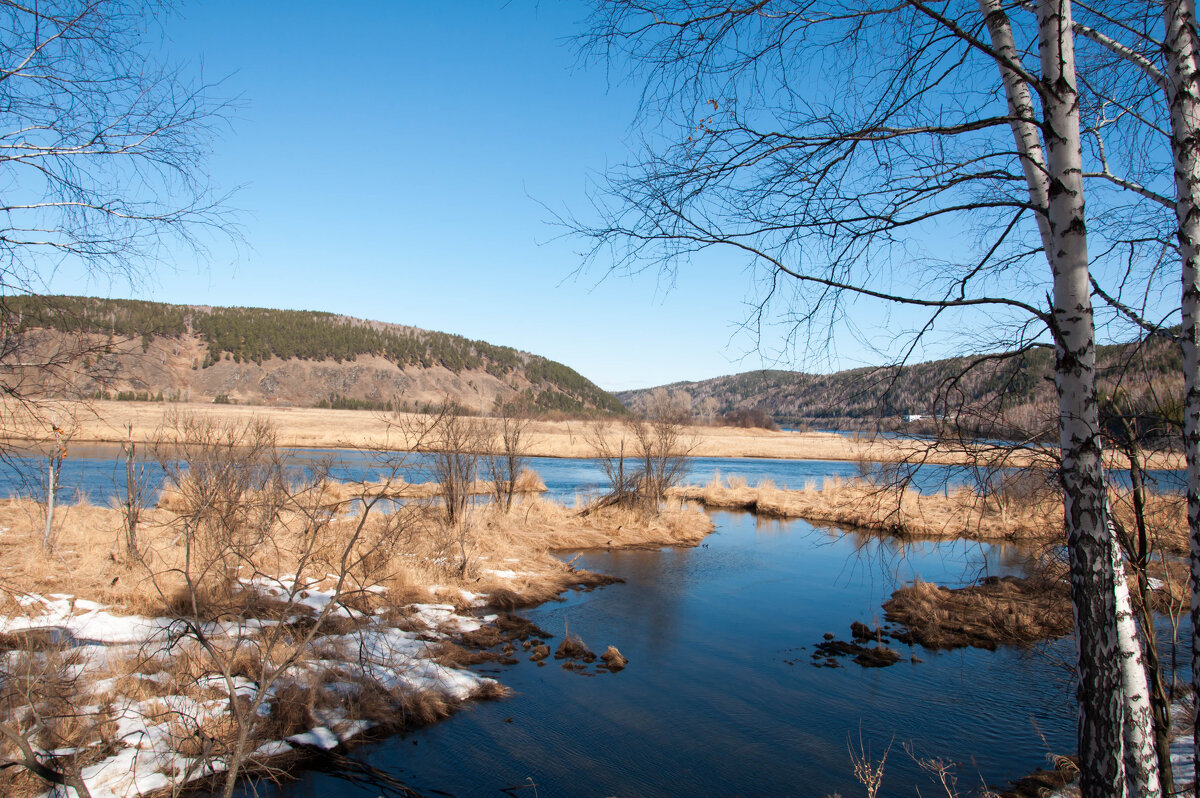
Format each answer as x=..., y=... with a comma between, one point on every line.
x=1022, y=112
x=1183, y=93
x=1088, y=536
x=1141, y=757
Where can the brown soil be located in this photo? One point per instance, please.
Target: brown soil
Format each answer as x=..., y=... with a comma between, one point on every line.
x=998, y=611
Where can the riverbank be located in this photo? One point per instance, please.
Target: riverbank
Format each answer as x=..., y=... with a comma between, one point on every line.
x=213, y=649
x=110, y=422
x=1028, y=512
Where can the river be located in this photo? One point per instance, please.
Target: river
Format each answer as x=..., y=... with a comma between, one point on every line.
x=721, y=696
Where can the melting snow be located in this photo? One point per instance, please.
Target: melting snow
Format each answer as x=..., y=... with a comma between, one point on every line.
x=146, y=729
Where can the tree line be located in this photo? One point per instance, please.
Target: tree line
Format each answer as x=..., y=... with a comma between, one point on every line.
x=254, y=335
x=864, y=397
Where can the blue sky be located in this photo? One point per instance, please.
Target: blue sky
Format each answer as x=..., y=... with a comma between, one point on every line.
x=400, y=161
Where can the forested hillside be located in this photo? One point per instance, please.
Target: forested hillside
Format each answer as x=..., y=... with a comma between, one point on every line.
x=864, y=397
x=268, y=356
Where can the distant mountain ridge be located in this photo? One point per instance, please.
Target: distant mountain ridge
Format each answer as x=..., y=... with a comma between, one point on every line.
x=289, y=357
x=859, y=398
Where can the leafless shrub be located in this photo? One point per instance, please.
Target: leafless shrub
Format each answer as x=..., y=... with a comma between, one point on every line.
x=643, y=458
x=45, y=731
x=506, y=465
x=453, y=443
x=259, y=542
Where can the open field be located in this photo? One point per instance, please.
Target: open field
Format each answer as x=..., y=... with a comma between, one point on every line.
x=106, y=422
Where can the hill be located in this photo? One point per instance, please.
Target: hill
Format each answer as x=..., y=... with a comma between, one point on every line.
x=866, y=397
x=148, y=350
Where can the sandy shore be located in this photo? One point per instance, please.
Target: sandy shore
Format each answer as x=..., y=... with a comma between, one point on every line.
x=107, y=422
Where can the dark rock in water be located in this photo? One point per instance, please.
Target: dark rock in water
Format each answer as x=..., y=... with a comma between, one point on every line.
x=866, y=656
x=540, y=652
x=613, y=659
x=860, y=631
x=837, y=648
x=830, y=635
x=877, y=657
x=863, y=633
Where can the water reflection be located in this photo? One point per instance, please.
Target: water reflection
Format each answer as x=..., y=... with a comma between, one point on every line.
x=720, y=698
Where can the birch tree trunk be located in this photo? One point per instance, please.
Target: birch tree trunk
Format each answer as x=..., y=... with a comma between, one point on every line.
x=1141, y=756
x=51, y=491
x=1022, y=114
x=1089, y=540
x=1183, y=94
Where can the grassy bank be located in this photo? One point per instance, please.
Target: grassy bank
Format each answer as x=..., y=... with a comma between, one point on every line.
x=259, y=624
x=1029, y=513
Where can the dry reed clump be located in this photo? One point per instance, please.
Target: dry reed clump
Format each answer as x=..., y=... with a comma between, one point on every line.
x=1014, y=514
x=859, y=503
x=539, y=525
x=90, y=561
x=335, y=494
x=1044, y=782
x=573, y=648
x=1007, y=610
x=528, y=481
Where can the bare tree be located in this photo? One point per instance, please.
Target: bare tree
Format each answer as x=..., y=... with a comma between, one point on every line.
x=452, y=443
x=662, y=444
x=614, y=453
x=104, y=151
x=643, y=457
x=505, y=464
x=54, y=461
x=261, y=541
x=931, y=117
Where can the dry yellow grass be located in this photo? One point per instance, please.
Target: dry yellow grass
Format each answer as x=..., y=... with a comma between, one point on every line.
x=1000, y=610
x=106, y=422
x=339, y=493
x=89, y=560
x=960, y=513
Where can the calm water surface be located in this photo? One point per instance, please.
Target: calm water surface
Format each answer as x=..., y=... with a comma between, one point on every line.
x=97, y=471
x=720, y=697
